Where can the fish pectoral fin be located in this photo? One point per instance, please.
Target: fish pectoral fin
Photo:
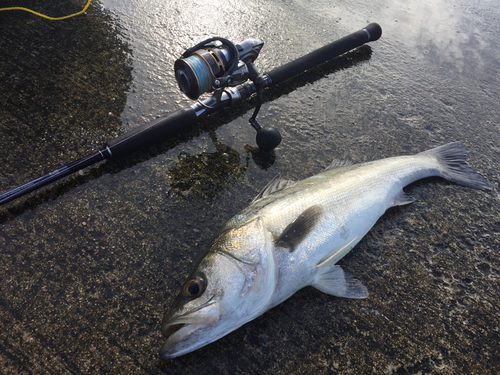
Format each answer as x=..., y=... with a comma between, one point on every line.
x=298, y=229
x=402, y=198
x=337, y=282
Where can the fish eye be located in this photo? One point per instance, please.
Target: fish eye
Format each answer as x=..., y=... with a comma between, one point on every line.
x=193, y=288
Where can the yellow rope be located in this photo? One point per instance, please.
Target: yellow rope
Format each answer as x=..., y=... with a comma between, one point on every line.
x=48, y=17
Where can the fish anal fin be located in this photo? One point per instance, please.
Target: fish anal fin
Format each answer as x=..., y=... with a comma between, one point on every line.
x=337, y=282
x=297, y=230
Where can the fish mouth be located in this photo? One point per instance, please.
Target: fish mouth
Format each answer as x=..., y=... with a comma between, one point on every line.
x=169, y=330
x=178, y=330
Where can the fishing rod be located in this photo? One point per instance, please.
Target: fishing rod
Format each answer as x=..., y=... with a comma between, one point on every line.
x=215, y=66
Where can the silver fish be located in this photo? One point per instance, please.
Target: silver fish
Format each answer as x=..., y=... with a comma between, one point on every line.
x=292, y=236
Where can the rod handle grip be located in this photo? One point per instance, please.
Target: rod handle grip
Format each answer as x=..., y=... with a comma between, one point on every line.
x=370, y=33
x=150, y=133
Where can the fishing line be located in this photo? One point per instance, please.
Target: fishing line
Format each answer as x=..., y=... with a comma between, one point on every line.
x=48, y=17
x=202, y=74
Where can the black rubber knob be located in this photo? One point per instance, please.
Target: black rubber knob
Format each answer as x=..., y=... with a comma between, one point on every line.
x=374, y=30
x=268, y=139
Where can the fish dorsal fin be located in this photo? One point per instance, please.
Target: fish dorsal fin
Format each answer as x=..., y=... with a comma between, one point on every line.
x=298, y=229
x=337, y=282
x=339, y=163
x=277, y=183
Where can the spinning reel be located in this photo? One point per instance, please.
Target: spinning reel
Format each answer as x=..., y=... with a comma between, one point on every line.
x=216, y=64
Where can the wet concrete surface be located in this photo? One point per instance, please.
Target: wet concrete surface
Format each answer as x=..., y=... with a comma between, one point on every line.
x=89, y=264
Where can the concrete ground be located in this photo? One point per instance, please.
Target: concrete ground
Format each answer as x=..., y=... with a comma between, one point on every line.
x=89, y=265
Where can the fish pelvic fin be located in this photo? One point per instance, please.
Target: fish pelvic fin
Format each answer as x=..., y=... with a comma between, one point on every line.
x=337, y=282
x=451, y=158
x=297, y=230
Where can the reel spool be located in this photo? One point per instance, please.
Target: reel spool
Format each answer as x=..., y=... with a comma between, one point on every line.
x=201, y=65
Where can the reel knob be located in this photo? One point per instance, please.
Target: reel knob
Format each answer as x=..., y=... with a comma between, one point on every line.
x=268, y=139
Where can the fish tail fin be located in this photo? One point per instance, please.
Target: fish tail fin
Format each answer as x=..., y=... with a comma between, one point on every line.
x=451, y=158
